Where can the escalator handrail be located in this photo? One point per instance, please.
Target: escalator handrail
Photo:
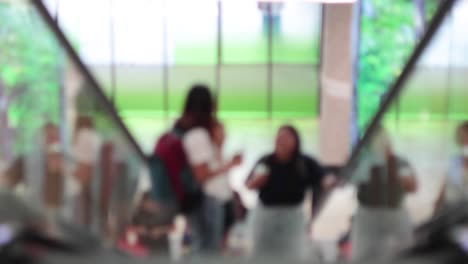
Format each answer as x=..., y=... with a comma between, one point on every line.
x=97, y=89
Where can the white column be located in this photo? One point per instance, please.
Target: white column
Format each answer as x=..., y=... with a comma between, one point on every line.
x=336, y=80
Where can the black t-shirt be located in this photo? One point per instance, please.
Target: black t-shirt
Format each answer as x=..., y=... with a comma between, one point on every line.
x=288, y=182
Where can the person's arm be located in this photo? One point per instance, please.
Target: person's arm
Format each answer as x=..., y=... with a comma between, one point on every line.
x=258, y=178
x=203, y=172
x=256, y=182
x=329, y=182
x=408, y=179
x=199, y=149
x=440, y=198
x=320, y=181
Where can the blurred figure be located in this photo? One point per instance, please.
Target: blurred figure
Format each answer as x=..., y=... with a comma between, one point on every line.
x=381, y=225
x=13, y=177
x=235, y=227
x=38, y=175
x=455, y=187
x=208, y=170
x=219, y=187
x=86, y=146
x=282, y=178
x=108, y=172
x=53, y=185
x=150, y=225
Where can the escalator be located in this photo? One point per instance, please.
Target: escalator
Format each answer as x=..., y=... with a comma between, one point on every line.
x=69, y=168
x=49, y=98
x=405, y=208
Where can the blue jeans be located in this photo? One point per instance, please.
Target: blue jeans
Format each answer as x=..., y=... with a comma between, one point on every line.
x=207, y=226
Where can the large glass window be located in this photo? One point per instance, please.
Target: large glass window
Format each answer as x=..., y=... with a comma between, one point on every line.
x=244, y=40
x=295, y=91
x=192, y=32
x=296, y=33
x=384, y=26
x=181, y=78
x=139, y=88
x=130, y=44
x=244, y=90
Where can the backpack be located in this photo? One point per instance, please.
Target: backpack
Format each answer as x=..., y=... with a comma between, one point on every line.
x=172, y=181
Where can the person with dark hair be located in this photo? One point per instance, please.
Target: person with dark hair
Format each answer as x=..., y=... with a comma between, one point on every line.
x=199, y=128
x=199, y=109
x=282, y=179
x=456, y=183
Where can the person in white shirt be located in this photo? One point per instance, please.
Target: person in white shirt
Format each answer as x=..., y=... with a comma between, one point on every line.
x=86, y=146
x=208, y=170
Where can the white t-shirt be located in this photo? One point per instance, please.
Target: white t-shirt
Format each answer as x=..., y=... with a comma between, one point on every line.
x=201, y=150
x=87, y=146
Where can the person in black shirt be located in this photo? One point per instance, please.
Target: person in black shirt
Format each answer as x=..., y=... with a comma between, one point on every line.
x=282, y=179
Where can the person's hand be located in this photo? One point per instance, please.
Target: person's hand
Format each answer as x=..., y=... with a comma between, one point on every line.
x=237, y=160
x=329, y=182
x=257, y=181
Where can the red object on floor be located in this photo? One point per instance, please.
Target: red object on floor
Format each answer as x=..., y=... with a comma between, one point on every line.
x=133, y=247
x=346, y=250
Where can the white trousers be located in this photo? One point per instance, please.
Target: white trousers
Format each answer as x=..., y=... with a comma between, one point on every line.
x=279, y=231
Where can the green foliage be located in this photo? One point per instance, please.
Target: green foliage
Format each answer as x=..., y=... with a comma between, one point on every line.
x=30, y=70
x=430, y=9
x=387, y=39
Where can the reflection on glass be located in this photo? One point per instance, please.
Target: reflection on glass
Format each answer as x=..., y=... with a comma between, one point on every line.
x=414, y=164
x=61, y=150
x=29, y=79
x=385, y=25
x=384, y=178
